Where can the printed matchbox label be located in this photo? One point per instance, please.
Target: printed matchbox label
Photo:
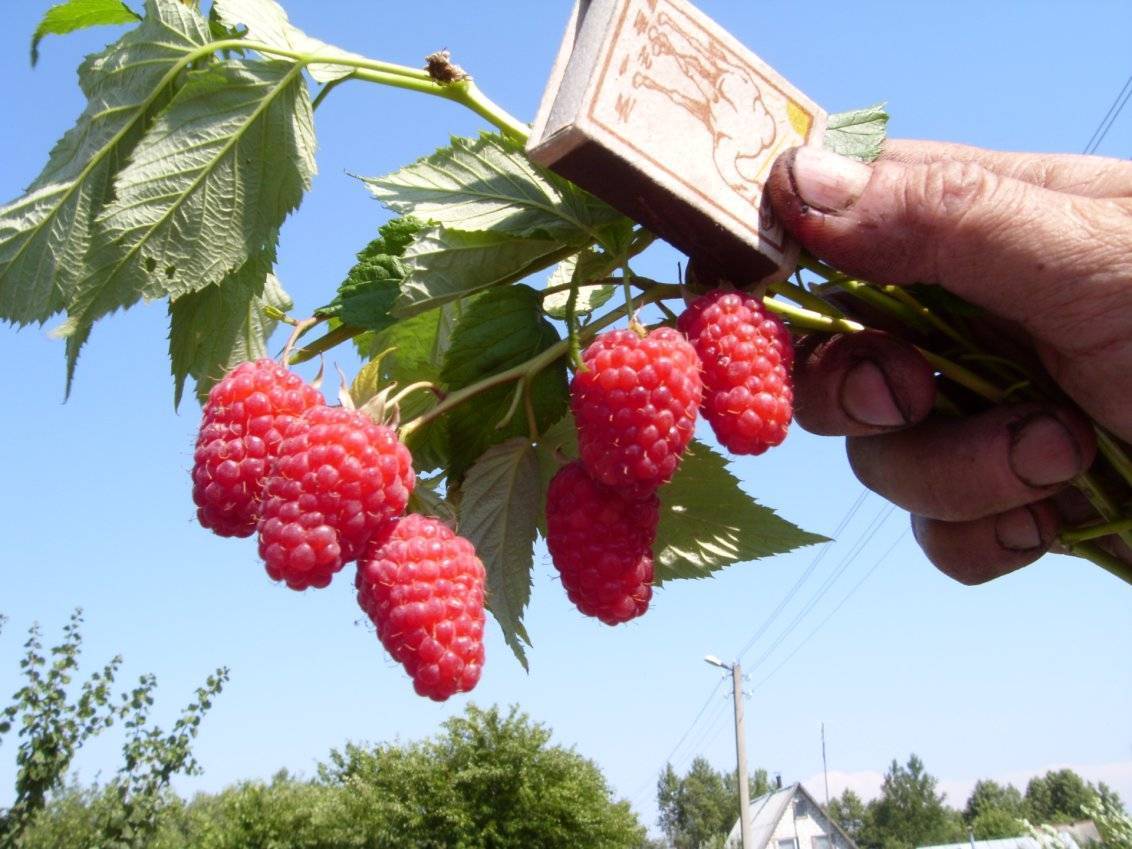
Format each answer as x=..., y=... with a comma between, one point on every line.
x=671, y=94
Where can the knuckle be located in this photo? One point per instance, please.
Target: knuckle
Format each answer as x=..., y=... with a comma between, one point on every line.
x=950, y=188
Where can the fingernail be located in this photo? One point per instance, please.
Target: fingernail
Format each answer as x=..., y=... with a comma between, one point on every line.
x=1018, y=530
x=827, y=181
x=867, y=398
x=1042, y=451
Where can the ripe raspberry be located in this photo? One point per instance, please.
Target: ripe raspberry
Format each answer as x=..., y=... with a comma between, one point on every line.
x=338, y=478
x=601, y=543
x=240, y=431
x=423, y=588
x=635, y=407
x=747, y=356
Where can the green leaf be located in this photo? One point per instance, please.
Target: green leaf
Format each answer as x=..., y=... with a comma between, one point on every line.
x=859, y=134
x=214, y=329
x=80, y=14
x=267, y=23
x=427, y=500
x=206, y=188
x=45, y=235
x=557, y=445
x=442, y=265
x=707, y=522
x=498, y=514
x=499, y=330
x=416, y=349
x=365, y=298
x=487, y=183
x=590, y=264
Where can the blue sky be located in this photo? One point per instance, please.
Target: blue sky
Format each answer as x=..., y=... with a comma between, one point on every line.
x=1003, y=680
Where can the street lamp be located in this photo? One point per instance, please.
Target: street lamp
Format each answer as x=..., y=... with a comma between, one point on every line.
x=740, y=747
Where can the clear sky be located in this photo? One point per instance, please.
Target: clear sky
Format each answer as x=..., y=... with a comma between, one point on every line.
x=1031, y=671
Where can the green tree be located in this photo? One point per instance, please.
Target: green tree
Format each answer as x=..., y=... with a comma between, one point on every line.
x=849, y=812
x=994, y=810
x=700, y=808
x=1113, y=822
x=1058, y=796
x=55, y=722
x=488, y=780
x=994, y=823
x=910, y=812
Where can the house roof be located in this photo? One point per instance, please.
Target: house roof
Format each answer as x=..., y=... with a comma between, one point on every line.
x=767, y=810
x=1064, y=836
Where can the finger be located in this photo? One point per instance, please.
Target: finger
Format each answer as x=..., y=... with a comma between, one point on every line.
x=860, y=384
x=1045, y=259
x=1088, y=176
x=963, y=469
x=979, y=550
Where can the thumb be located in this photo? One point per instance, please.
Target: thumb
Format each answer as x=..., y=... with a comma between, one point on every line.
x=1046, y=259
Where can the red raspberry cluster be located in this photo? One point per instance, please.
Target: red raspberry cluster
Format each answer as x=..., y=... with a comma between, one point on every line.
x=325, y=486
x=338, y=479
x=422, y=586
x=601, y=543
x=241, y=430
x=747, y=356
x=635, y=402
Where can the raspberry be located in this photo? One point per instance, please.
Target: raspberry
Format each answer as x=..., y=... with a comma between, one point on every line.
x=240, y=432
x=423, y=588
x=338, y=478
x=747, y=356
x=601, y=543
x=635, y=407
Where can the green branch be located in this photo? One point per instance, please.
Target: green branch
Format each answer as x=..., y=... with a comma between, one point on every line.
x=525, y=370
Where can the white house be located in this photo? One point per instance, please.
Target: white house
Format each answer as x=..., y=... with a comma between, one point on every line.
x=790, y=818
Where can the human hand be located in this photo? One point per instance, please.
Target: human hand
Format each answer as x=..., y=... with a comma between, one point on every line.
x=1041, y=241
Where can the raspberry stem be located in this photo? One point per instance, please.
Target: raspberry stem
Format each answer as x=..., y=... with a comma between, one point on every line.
x=528, y=369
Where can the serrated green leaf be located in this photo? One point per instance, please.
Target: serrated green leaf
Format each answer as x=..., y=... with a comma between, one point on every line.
x=488, y=183
x=590, y=264
x=46, y=234
x=427, y=500
x=499, y=330
x=442, y=265
x=707, y=522
x=557, y=445
x=216, y=328
x=267, y=23
x=859, y=133
x=416, y=349
x=365, y=298
x=498, y=514
x=207, y=187
x=80, y=14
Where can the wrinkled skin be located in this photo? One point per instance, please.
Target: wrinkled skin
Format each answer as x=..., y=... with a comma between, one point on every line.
x=1043, y=242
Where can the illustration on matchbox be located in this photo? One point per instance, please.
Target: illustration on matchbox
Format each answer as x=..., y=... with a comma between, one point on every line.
x=741, y=120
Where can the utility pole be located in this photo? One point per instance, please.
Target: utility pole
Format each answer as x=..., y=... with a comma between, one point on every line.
x=740, y=748
x=824, y=766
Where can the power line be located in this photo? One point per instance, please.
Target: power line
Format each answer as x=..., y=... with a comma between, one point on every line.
x=831, y=613
x=849, y=514
x=862, y=542
x=1110, y=116
x=707, y=702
